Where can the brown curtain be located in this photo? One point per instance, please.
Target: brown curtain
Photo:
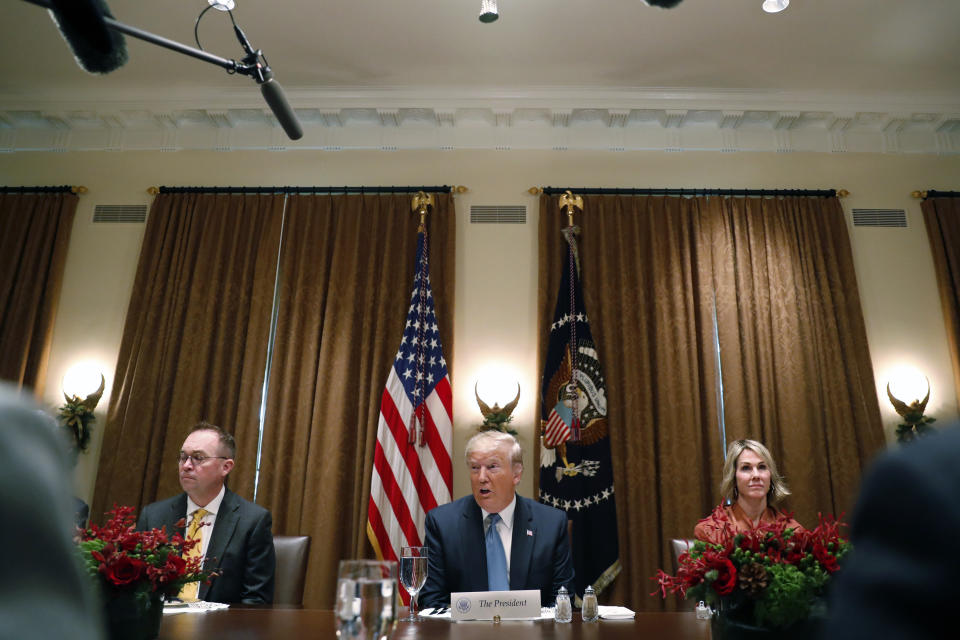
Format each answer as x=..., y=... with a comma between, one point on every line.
x=795, y=368
x=797, y=373
x=942, y=216
x=346, y=274
x=195, y=340
x=645, y=272
x=34, y=236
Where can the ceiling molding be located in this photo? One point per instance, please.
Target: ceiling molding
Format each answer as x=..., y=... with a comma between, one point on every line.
x=472, y=118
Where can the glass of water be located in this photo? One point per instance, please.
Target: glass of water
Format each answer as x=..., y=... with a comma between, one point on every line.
x=413, y=574
x=366, y=599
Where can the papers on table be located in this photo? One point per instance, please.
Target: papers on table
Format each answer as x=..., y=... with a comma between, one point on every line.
x=546, y=613
x=199, y=606
x=616, y=613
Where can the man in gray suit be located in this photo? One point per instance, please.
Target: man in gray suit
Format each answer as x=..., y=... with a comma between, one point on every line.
x=237, y=541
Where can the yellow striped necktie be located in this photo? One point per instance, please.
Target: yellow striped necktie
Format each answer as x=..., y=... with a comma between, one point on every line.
x=189, y=591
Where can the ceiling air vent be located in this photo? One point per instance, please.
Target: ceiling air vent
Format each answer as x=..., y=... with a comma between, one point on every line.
x=879, y=218
x=120, y=213
x=498, y=214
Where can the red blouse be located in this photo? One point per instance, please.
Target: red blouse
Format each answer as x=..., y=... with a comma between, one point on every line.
x=725, y=521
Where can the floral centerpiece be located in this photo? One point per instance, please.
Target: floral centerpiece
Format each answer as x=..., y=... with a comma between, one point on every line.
x=136, y=570
x=772, y=577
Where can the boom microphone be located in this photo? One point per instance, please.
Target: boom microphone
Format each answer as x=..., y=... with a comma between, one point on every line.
x=270, y=88
x=277, y=101
x=96, y=48
x=97, y=44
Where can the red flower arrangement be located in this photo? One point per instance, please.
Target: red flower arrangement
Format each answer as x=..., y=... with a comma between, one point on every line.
x=147, y=564
x=771, y=577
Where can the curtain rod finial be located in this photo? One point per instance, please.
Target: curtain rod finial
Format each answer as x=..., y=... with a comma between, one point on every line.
x=153, y=190
x=535, y=191
x=460, y=189
x=79, y=189
x=918, y=194
x=842, y=193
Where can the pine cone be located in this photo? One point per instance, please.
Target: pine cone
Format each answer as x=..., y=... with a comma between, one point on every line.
x=753, y=579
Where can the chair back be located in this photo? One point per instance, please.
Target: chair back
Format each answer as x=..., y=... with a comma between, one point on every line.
x=679, y=546
x=291, y=575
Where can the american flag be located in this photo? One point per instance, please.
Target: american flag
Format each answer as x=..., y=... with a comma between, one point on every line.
x=412, y=468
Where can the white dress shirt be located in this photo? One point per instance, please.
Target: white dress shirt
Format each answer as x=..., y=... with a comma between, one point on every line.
x=208, y=520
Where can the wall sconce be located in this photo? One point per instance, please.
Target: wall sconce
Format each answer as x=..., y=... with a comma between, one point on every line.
x=82, y=394
x=496, y=417
x=914, y=424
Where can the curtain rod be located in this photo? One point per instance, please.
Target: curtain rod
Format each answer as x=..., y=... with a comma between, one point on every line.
x=935, y=194
x=59, y=189
x=361, y=190
x=599, y=191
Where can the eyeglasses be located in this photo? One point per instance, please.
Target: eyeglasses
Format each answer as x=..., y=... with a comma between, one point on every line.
x=197, y=460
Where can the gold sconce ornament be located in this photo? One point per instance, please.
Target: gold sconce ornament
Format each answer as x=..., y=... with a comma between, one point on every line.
x=76, y=416
x=497, y=417
x=915, y=424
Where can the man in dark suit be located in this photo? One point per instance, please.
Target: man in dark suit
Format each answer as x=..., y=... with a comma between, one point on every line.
x=527, y=548
x=237, y=541
x=900, y=580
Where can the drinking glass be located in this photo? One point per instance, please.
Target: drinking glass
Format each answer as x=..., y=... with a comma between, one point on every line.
x=413, y=573
x=366, y=599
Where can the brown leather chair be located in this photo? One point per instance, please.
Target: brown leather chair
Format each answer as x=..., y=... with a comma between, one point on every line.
x=679, y=545
x=291, y=572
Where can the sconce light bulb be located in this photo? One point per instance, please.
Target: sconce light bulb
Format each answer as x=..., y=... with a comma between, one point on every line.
x=82, y=379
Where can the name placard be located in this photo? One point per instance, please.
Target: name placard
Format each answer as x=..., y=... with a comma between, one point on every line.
x=484, y=605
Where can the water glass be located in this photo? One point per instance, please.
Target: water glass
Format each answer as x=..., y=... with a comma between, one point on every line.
x=413, y=575
x=366, y=599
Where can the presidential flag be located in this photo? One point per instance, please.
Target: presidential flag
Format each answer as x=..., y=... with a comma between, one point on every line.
x=412, y=470
x=575, y=470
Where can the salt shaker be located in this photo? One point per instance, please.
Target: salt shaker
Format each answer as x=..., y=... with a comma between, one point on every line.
x=590, y=611
x=564, y=610
x=703, y=611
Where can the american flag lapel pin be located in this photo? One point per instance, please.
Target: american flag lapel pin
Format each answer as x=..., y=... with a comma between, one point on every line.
x=529, y=533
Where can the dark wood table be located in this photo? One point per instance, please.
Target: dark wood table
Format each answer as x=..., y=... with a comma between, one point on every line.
x=264, y=623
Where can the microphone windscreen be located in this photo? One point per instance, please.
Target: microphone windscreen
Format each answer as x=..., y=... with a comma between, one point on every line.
x=97, y=48
x=273, y=94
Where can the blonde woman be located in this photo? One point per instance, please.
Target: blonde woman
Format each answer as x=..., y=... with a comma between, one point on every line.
x=752, y=488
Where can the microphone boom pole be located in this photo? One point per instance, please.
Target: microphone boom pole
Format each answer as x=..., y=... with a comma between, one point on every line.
x=250, y=67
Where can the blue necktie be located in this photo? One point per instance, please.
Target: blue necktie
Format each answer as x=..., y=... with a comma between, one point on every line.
x=497, y=578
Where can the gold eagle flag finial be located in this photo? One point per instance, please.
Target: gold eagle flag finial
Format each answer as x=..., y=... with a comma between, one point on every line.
x=422, y=203
x=571, y=204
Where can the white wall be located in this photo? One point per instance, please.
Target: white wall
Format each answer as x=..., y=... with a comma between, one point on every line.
x=495, y=315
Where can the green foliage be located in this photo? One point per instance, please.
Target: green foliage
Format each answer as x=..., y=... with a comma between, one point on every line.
x=787, y=599
x=77, y=419
x=498, y=422
x=914, y=427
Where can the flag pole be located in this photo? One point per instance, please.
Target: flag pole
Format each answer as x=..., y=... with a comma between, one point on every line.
x=421, y=203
